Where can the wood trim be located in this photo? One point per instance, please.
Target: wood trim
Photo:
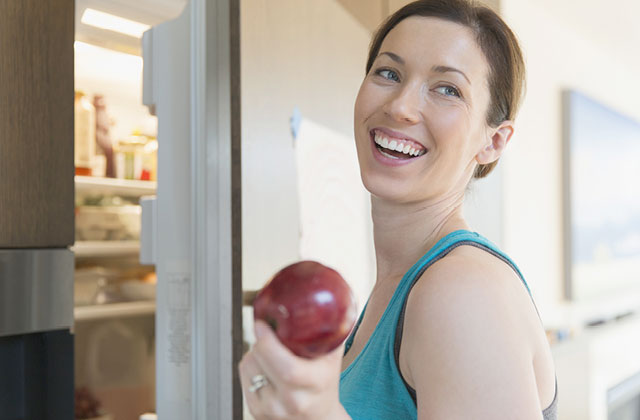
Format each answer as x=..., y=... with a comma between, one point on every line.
x=236, y=202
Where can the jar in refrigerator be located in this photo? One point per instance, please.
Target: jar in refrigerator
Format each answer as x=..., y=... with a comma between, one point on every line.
x=84, y=134
x=129, y=156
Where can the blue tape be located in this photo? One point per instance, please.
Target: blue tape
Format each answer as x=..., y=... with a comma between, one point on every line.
x=295, y=120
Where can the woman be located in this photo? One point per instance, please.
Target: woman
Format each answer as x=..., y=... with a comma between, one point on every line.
x=450, y=330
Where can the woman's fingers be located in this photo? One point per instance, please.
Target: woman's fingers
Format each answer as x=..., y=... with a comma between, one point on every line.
x=297, y=387
x=263, y=401
x=286, y=368
x=248, y=368
x=278, y=362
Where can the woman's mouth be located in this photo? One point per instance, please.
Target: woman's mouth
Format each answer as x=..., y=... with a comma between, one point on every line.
x=391, y=149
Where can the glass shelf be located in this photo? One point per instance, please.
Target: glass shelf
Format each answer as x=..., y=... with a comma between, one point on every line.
x=114, y=310
x=105, y=248
x=114, y=186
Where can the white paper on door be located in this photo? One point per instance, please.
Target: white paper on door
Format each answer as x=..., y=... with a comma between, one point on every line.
x=335, y=215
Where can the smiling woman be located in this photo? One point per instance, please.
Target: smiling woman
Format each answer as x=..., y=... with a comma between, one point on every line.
x=450, y=330
x=506, y=79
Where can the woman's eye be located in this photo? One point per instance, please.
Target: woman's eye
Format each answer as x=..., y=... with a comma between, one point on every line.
x=448, y=91
x=388, y=74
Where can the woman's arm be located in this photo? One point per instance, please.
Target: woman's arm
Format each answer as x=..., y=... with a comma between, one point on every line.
x=467, y=345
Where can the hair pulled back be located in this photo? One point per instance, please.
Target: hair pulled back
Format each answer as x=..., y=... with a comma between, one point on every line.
x=499, y=44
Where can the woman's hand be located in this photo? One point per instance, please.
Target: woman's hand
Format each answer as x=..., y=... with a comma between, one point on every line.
x=297, y=388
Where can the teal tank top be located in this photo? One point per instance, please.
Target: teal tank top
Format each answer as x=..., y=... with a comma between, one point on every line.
x=371, y=387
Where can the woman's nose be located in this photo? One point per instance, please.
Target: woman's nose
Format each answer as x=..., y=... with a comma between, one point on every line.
x=406, y=105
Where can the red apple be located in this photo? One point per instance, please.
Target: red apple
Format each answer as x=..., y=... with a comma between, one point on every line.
x=309, y=306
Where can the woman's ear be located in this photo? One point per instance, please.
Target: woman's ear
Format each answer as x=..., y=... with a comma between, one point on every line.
x=496, y=143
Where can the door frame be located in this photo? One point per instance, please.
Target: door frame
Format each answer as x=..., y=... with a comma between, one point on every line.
x=216, y=213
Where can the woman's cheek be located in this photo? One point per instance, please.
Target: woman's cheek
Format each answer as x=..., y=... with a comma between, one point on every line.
x=360, y=105
x=370, y=96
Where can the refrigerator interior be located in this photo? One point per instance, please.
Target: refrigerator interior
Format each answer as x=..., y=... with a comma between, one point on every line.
x=114, y=294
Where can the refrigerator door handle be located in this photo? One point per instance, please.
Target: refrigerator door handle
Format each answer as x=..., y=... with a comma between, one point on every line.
x=148, y=230
x=148, y=91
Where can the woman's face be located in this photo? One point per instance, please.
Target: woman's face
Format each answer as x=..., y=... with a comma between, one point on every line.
x=427, y=93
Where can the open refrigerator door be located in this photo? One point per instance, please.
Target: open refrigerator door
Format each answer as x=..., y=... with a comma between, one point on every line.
x=186, y=229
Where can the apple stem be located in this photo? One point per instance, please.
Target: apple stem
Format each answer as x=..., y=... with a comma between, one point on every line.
x=272, y=323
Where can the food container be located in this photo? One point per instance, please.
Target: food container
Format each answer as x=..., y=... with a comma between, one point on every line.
x=87, y=283
x=84, y=134
x=150, y=161
x=138, y=290
x=111, y=223
x=103, y=417
x=129, y=156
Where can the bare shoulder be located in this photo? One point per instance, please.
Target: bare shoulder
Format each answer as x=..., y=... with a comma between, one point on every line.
x=466, y=283
x=470, y=332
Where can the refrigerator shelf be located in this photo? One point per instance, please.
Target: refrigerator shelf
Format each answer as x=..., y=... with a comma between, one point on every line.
x=114, y=310
x=85, y=249
x=126, y=187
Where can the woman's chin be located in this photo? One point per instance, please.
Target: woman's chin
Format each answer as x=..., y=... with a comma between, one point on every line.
x=387, y=191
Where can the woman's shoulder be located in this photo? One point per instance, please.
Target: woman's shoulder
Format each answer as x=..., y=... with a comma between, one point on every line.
x=473, y=298
x=469, y=272
x=467, y=315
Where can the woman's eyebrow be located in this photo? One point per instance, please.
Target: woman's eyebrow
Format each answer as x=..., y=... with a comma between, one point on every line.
x=444, y=69
x=437, y=69
x=394, y=57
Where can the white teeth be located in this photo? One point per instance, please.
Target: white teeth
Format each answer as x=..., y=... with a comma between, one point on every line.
x=388, y=155
x=396, y=145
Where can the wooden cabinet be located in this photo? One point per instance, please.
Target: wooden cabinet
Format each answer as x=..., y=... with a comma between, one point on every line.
x=36, y=124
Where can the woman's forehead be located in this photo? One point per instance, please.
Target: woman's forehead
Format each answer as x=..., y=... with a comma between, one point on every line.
x=428, y=41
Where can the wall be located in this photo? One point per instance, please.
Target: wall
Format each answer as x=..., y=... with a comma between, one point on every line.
x=558, y=56
x=371, y=12
x=305, y=54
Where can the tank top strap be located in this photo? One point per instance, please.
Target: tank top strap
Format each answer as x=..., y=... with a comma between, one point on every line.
x=451, y=241
x=410, y=276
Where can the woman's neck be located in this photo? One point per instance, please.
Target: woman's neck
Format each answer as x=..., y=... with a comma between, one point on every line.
x=405, y=232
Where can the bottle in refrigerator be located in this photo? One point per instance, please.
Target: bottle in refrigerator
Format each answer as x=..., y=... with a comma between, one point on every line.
x=150, y=160
x=103, y=139
x=84, y=133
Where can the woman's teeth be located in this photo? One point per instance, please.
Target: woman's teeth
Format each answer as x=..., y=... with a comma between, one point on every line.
x=388, y=155
x=397, y=146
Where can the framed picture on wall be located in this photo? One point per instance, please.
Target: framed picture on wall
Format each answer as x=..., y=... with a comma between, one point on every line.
x=601, y=200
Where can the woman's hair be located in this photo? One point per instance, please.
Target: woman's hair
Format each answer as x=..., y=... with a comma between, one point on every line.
x=496, y=40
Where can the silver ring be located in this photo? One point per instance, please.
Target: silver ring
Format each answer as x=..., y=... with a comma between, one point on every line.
x=257, y=382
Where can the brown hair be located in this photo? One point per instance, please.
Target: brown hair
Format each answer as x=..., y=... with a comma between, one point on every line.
x=497, y=42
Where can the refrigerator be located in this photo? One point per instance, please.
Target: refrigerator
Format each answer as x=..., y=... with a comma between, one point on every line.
x=36, y=210
x=191, y=227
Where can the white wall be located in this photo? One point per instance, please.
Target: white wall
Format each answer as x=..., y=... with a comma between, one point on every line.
x=557, y=57
x=305, y=54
